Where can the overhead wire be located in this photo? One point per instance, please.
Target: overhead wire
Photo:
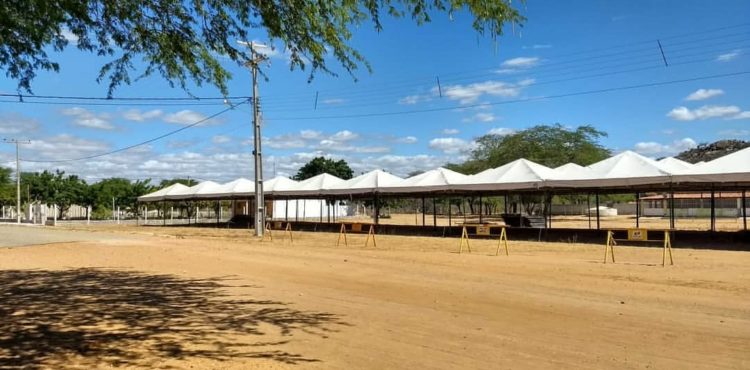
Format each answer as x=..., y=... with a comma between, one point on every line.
x=122, y=149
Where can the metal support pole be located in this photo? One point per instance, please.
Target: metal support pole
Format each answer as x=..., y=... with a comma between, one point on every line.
x=671, y=210
x=637, y=209
x=481, y=209
x=377, y=209
x=286, y=210
x=597, y=211
x=450, y=211
x=744, y=210
x=713, y=211
x=434, y=213
x=423, y=212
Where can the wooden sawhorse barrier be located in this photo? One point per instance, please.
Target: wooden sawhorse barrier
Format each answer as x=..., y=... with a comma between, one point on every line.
x=357, y=227
x=638, y=235
x=503, y=240
x=287, y=230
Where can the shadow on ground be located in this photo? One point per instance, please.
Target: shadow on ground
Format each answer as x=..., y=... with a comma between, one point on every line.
x=94, y=317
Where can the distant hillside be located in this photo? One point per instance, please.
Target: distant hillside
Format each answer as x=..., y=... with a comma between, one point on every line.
x=707, y=152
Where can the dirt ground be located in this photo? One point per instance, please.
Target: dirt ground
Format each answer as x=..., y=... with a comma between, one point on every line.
x=153, y=297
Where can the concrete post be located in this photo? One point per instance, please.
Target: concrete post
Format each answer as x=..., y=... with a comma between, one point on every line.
x=118, y=215
x=88, y=215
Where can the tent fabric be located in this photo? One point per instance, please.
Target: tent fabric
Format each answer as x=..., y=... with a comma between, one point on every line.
x=278, y=185
x=620, y=171
x=162, y=193
x=371, y=182
x=520, y=174
x=734, y=167
x=203, y=190
x=433, y=180
x=674, y=165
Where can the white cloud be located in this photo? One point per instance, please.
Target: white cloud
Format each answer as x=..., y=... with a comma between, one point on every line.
x=501, y=131
x=220, y=139
x=86, y=118
x=450, y=131
x=141, y=116
x=451, y=145
x=333, y=101
x=63, y=146
x=407, y=140
x=520, y=62
x=467, y=94
x=703, y=94
x=732, y=55
x=708, y=111
x=414, y=99
x=286, y=141
x=328, y=145
x=310, y=134
x=655, y=149
x=344, y=135
x=189, y=117
x=68, y=35
x=484, y=117
x=13, y=124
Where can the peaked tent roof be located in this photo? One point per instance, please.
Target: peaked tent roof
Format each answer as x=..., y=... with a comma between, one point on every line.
x=162, y=193
x=734, y=167
x=241, y=187
x=517, y=175
x=432, y=180
x=279, y=184
x=674, y=165
x=373, y=181
x=571, y=171
x=202, y=190
x=622, y=170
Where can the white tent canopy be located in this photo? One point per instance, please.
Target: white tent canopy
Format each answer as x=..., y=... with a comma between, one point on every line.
x=432, y=180
x=520, y=174
x=162, y=194
x=373, y=181
x=620, y=171
x=674, y=165
x=733, y=167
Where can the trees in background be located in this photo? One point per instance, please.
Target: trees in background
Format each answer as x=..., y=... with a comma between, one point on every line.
x=320, y=165
x=549, y=145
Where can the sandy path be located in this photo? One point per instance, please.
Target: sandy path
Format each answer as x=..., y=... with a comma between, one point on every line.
x=412, y=303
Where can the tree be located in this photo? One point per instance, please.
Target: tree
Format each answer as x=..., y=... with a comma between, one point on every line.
x=183, y=41
x=551, y=146
x=320, y=165
x=7, y=190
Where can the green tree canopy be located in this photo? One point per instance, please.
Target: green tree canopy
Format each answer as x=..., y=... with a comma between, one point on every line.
x=183, y=40
x=549, y=145
x=320, y=165
x=7, y=191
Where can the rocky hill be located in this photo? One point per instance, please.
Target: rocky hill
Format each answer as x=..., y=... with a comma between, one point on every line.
x=707, y=152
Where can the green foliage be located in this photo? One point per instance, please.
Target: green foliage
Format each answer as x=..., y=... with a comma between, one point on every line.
x=320, y=165
x=551, y=146
x=123, y=192
x=183, y=41
x=55, y=188
x=7, y=188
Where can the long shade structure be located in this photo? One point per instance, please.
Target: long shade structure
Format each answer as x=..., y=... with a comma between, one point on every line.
x=623, y=172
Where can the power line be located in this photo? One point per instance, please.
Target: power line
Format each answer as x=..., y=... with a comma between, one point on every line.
x=138, y=98
x=579, y=93
x=141, y=143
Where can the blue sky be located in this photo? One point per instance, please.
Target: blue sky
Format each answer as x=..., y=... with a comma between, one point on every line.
x=396, y=119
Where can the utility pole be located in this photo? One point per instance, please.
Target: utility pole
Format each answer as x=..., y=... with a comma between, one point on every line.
x=260, y=213
x=18, y=176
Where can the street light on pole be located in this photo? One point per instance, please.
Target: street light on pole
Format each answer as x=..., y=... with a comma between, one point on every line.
x=254, y=63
